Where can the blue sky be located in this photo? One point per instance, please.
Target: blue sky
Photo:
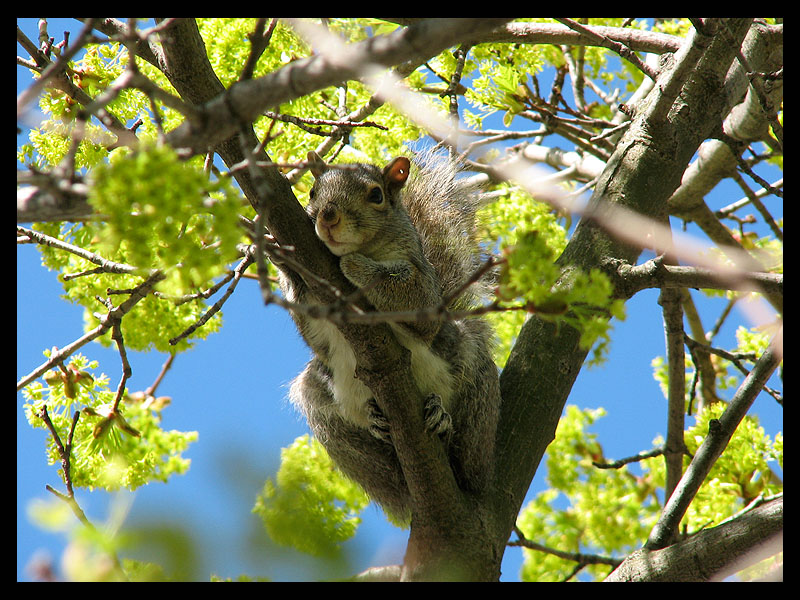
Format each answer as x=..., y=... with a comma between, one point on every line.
x=232, y=388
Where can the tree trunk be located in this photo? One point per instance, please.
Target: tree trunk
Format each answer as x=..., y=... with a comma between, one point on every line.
x=687, y=105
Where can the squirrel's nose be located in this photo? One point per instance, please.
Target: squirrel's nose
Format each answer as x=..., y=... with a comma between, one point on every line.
x=329, y=216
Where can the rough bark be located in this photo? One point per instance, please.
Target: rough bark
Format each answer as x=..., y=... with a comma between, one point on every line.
x=713, y=553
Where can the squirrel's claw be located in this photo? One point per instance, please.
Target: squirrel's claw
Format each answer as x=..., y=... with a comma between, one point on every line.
x=378, y=424
x=437, y=419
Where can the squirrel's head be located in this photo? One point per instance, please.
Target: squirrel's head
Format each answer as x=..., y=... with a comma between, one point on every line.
x=351, y=204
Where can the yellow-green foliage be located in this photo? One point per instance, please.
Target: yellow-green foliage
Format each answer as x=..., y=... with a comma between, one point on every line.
x=587, y=509
x=740, y=475
x=311, y=506
x=160, y=214
x=166, y=214
x=108, y=451
x=227, y=54
x=610, y=512
x=582, y=300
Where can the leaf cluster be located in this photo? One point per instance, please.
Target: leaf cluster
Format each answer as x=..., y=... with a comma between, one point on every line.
x=110, y=450
x=586, y=509
x=310, y=506
x=741, y=474
x=99, y=66
x=165, y=214
x=582, y=300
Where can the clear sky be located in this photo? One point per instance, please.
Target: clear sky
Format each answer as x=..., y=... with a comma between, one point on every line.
x=232, y=388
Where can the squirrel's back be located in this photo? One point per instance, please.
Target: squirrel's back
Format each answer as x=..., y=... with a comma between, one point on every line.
x=443, y=209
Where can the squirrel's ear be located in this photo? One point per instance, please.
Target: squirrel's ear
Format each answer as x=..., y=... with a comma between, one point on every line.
x=396, y=172
x=316, y=164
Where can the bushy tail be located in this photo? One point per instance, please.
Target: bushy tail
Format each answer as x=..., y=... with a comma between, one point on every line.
x=442, y=208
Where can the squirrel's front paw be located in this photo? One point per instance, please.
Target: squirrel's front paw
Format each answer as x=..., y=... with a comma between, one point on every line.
x=378, y=424
x=358, y=269
x=437, y=419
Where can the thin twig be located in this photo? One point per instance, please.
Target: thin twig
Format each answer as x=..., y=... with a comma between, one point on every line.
x=580, y=558
x=108, y=266
x=618, y=47
x=217, y=306
x=735, y=358
x=65, y=454
x=139, y=293
x=303, y=123
x=616, y=464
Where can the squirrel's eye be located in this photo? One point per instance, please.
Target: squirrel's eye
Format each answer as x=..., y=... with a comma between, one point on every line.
x=375, y=195
x=311, y=194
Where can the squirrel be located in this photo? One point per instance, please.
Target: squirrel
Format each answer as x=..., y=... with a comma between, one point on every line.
x=406, y=249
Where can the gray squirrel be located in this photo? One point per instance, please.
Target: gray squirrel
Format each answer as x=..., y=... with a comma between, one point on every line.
x=407, y=250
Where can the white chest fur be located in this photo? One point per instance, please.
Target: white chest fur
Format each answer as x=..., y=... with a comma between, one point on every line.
x=431, y=372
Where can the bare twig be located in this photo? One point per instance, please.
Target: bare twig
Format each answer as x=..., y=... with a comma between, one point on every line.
x=108, y=266
x=580, y=558
x=735, y=358
x=616, y=464
x=106, y=322
x=217, y=306
x=618, y=47
x=304, y=122
x=65, y=454
x=51, y=69
x=259, y=40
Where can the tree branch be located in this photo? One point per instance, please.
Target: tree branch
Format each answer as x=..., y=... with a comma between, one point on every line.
x=51, y=198
x=551, y=33
x=613, y=45
x=655, y=274
x=719, y=434
x=712, y=553
x=670, y=300
x=106, y=323
x=578, y=557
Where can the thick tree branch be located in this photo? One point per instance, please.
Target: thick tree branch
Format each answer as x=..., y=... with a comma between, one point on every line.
x=655, y=274
x=551, y=33
x=245, y=100
x=51, y=198
x=712, y=553
x=747, y=122
x=444, y=518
